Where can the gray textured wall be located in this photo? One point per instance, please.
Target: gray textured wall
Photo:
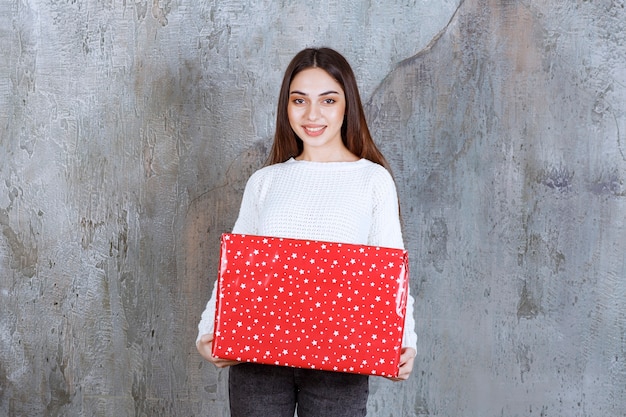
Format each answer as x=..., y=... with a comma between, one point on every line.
x=128, y=130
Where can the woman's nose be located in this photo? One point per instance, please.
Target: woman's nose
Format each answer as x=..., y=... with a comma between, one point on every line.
x=313, y=112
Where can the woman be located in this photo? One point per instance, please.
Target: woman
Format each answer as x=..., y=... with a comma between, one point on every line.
x=326, y=180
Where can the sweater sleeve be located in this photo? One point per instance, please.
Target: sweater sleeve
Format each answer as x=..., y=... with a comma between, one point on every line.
x=207, y=320
x=387, y=231
x=247, y=224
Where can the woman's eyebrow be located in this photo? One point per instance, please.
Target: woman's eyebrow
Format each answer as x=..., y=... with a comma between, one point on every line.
x=326, y=93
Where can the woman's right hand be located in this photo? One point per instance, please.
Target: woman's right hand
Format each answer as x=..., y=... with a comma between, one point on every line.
x=204, y=345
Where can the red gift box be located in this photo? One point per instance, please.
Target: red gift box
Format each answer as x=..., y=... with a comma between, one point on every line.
x=311, y=304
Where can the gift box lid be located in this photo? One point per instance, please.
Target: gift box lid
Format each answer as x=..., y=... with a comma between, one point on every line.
x=311, y=304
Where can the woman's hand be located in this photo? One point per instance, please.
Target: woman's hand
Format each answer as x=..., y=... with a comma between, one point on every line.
x=204, y=345
x=407, y=357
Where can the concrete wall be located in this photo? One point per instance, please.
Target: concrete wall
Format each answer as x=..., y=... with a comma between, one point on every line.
x=128, y=130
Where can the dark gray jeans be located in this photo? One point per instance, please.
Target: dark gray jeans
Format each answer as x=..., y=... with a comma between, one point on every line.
x=274, y=391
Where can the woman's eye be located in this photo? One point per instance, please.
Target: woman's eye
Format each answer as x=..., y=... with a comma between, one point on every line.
x=329, y=101
x=298, y=101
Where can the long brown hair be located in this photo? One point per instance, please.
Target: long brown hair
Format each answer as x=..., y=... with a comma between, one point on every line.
x=354, y=131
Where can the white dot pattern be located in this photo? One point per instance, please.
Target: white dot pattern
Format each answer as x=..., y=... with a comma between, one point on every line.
x=311, y=304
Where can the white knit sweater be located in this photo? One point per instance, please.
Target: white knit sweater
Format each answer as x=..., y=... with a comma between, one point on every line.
x=349, y=202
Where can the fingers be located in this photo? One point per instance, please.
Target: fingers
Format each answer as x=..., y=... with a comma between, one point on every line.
x=205, y=345
x=223, y=363
x=407, y=357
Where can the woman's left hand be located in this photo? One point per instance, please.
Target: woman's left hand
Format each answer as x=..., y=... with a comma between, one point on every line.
x=407, y=356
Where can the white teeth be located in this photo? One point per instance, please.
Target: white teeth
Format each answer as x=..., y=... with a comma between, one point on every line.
x=314, y=129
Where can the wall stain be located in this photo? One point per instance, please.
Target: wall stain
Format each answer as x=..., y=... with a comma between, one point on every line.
x=24, y=258
x=556, y=178
x=608, y=183
x=527, y=307
x=437, y=245
x=160, y=13
x=138, y=392
x=538, y=252
x=60, y=395
x=141, y=9
x=524, y=358
x=118, y=246
x=89, y=228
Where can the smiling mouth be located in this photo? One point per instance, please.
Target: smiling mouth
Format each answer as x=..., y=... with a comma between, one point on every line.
x=314, y=131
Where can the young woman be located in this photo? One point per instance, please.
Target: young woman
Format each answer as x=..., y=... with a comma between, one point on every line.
x=326, y=180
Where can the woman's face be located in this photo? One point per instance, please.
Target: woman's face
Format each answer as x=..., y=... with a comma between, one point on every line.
x=316, y=110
